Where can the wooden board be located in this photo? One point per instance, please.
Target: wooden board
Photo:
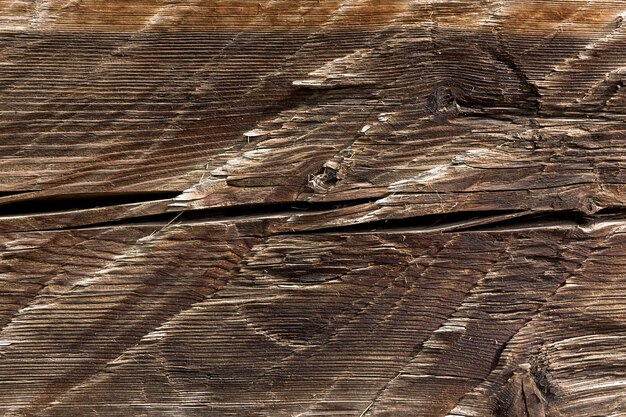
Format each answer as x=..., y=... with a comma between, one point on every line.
x=312, y=208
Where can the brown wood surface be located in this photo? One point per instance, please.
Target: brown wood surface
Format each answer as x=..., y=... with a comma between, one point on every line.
x=312, y=208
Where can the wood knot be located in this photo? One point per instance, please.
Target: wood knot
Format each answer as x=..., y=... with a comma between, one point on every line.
x=522, y=396
x=444, y=99
x=324, y=179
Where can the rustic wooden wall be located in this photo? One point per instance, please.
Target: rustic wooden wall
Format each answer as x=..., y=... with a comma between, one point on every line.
x=312, y=208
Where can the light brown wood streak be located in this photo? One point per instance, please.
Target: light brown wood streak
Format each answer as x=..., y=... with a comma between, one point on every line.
x=312, y=208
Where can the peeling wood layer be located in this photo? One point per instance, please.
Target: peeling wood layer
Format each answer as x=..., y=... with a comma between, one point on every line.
x=312, y=208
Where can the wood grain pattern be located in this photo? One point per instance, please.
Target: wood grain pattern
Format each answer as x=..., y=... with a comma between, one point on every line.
x=312, y=208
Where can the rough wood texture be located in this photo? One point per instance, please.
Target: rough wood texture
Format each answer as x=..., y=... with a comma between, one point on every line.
x=312, y=208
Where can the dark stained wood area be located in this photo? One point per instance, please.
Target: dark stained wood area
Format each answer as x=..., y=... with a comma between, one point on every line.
x=299, y=208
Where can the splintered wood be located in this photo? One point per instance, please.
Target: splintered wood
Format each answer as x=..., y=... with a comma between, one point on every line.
x=298, y=208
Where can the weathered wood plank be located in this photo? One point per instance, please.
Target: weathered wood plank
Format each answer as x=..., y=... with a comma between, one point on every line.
x=199, y=317
x=312, y=207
